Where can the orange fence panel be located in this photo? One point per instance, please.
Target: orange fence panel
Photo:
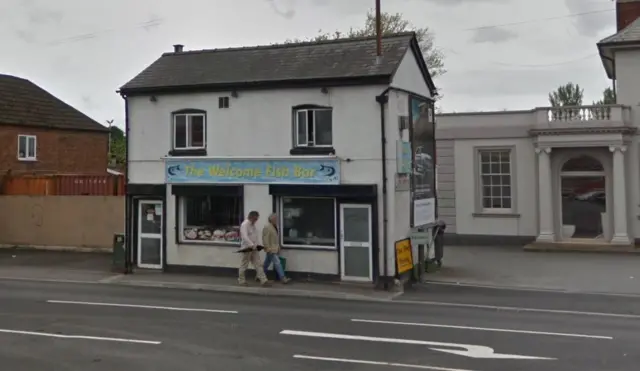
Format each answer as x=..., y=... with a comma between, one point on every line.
x=29, y=186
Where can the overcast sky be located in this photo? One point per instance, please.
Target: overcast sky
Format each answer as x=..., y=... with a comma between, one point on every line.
x=83, y=50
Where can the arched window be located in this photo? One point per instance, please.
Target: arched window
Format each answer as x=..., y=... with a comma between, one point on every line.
x=581, y=164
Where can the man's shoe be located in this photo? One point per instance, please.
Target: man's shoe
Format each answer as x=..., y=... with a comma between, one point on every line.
x=242, y=283
x=285, y=280
x=266, y=283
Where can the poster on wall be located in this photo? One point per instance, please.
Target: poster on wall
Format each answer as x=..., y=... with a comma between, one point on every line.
x=423, y=148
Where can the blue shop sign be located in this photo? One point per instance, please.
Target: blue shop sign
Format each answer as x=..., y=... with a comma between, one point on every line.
x=253, y=171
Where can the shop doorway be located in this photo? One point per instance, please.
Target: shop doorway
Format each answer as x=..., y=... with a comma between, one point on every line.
x=356, y=247
x=584, y=201
x=149, y=243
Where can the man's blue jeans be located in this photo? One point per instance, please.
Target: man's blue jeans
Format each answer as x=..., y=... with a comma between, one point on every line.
x=273, y=258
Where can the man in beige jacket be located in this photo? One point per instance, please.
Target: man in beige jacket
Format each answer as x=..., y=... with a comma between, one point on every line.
x=271, y=243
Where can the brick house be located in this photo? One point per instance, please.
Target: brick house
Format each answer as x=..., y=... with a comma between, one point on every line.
x=40, y=134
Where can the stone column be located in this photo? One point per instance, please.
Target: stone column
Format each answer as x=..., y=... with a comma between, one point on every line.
x=545, y=196
x=620, y=222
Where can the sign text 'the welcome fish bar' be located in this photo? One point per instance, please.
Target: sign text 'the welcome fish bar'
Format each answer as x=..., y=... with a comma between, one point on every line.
x=253, y=171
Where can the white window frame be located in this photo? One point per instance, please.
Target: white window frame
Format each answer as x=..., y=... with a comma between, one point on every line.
x=182, y=217
x=297, y=124
x=280, y=204
x=511, y=185
x=26, y=156
x=188, y=130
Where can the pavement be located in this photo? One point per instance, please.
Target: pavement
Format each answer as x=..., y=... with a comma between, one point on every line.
x=511, y=267
x=85, y=327
x=95, y=268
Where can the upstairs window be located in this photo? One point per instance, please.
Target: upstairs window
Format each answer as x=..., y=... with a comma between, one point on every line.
x=27, y=147
x=313, y=127
x=189, y=131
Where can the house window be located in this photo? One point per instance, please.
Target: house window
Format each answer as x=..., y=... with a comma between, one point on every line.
x=208, y=218
x=189, y=131
x=308, y=222
x=495, y=180
x=313, y=127
x=223, y=102
x=27, y=147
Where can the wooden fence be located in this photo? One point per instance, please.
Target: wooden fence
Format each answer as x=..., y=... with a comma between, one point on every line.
x=64, y=185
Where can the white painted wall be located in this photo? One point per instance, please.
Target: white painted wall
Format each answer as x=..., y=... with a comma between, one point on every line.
x=525, y=180
x=408, y=76
x=627, y=64
x=258, y=123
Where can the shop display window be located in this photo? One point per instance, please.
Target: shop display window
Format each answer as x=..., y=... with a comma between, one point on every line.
x=308, y=222
x=209, y=218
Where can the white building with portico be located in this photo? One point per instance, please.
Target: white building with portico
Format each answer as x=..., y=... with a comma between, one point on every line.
x=551, y=175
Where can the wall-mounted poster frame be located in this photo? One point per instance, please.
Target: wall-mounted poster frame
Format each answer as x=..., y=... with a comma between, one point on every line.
x=423, y=149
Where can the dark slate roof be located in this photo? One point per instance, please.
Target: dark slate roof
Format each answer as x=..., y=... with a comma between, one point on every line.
x=25, y=103
x=332, y=60
x=630, y=34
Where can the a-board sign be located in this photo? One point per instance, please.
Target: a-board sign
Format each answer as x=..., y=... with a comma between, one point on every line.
x=404, y=256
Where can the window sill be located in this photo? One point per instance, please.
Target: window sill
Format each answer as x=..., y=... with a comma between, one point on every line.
x=188, y=152
x=496, y=215
x=309, y=248
x=209, y=244
x=27, y=159
x=312, y=151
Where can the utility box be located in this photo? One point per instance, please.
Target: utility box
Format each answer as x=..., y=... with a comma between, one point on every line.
x=119, y=254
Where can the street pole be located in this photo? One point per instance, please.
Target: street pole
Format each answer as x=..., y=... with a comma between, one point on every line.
x=109, y=123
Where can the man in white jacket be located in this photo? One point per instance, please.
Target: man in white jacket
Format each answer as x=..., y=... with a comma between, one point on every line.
x=249, y=240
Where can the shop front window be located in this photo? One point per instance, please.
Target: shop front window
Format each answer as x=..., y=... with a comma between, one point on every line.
x=211, y=219
x=308, y=222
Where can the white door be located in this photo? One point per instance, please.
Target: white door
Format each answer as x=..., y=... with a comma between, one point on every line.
x=355, y=241
x=150, y=234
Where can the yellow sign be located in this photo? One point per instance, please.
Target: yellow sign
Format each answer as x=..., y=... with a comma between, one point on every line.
x=404, y=256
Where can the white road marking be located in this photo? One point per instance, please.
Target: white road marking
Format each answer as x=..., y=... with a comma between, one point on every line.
x=374, y=363
x=484, y=329
x=79, y=337
x=142, y=306
x=533, y=289
x=515, y=309
x=466, y=350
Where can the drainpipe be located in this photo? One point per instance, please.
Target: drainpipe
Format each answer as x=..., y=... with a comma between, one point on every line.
x=383, y=99
x=127, y=200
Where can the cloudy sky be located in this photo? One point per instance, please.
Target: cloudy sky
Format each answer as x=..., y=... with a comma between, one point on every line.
x=500, y=54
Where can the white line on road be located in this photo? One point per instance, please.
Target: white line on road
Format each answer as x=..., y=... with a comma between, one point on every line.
x=465, y=350
x=142, y=306
x=79, y=337
x=532, y=289
x=515, y=309
x=374, y=363
x=483, y=329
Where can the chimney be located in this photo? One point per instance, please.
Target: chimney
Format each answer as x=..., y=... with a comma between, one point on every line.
x=627, y=11
x=178, y=48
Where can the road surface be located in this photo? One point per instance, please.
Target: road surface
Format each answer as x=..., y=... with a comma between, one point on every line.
x=58, y=326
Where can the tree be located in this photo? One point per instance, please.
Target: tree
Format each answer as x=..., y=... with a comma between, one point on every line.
x=391, y=24
x=608, y=97
x=566, y=95
x=118, y=146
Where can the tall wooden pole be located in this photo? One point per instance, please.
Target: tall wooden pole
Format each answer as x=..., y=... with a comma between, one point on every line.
x=378, y=33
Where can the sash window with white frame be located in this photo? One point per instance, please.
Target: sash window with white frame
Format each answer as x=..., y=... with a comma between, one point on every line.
x=189, y=131
x=495, y=180
x=313, y=127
